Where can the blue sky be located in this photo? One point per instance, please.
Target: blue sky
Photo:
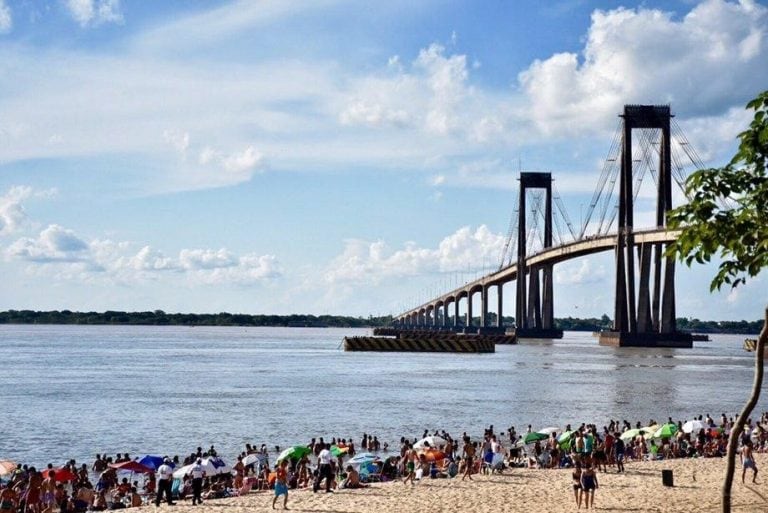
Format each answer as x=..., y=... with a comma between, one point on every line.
x=335, y=156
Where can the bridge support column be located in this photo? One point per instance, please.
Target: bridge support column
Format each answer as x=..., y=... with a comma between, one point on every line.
x=456, y=312
x=533, y=312
x=499, y=302
x=469, y=310
x=638, y=320
x=484, y=307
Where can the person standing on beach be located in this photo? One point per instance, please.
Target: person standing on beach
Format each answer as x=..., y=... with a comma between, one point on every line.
x=577, y=491
x=748, y=461
x=164, y=483
x=589, y=484
x=281, y=484
x=409, y=456
x=469, y=458
x=197, y=474
x=324, y=469
x=32, y=497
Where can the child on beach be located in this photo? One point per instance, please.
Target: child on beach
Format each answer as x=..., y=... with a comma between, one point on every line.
x=748, y=461
x=281, y=484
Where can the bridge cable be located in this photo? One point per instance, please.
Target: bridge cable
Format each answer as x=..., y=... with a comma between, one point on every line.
x=563, y=212
x=606, y=172
x=511, y=242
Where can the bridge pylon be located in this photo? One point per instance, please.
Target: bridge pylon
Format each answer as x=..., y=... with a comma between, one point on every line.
x=534, y=310
x=644, y=316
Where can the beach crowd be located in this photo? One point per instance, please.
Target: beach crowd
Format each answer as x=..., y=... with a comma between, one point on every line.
x=327, y=465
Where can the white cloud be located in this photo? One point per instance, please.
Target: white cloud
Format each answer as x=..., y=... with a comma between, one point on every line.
x=244, y=162
x=95, y=12
x=13, y=216
x=66, y=256
x=178, y=140
x=54, y=244
x=371, y=262
x=579, y=272
x=6, y=20
x=711, y=59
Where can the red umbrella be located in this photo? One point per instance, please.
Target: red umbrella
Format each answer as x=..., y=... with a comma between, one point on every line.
x=433, y=455
x=132, y=466
x=61, y=474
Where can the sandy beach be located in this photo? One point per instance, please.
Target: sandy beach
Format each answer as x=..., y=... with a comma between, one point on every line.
x=697, y=488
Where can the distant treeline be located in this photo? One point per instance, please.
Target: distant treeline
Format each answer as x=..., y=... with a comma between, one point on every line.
x=160, y=318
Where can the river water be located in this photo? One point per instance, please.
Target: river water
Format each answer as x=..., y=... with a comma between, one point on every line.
x=74, y=391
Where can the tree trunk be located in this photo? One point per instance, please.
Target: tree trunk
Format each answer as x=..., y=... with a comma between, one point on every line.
x=738, y=428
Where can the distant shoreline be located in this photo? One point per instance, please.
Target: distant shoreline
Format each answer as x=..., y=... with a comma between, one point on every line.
x=161, y=318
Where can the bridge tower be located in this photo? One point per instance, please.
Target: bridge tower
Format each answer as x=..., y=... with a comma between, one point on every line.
x=644, y=316
x=534, y=308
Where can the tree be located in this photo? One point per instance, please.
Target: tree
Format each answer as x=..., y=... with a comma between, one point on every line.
x=727, y=218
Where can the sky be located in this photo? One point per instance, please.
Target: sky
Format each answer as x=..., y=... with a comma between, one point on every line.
x=336, y=156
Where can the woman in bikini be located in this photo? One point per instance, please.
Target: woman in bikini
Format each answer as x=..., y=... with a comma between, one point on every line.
x=589, y=485
x=577, y=491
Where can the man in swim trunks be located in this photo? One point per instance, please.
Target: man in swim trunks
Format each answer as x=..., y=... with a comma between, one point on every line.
x=410, y=464
x=48, y=487
x=32, y=503
x=748, y=461
x=469, y=458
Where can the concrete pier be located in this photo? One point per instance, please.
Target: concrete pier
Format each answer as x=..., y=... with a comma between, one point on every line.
x=624, y=339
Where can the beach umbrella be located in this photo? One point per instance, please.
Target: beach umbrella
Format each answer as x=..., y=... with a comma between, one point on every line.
x=294, y=453
x=652, y=429
x=62, y=474
x=548, y=430
x=529, y=438
x=630, y=434
x=337, y=451
x=565, y=436
x=218, y=464
x=252, y=458
x=433, y=441
x=131, y=466
x=693, y=426
x=361, y=459
x=666, y=431
x=152, y=462
x=7, y=467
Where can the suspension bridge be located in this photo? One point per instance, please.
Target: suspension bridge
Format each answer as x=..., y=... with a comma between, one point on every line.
x=541, y=235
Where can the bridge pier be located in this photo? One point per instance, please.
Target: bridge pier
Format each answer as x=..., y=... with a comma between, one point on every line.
x=534, y=312
x=638, y=320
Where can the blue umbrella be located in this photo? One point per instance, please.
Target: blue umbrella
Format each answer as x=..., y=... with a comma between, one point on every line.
x=152, y=462
x=362, y=459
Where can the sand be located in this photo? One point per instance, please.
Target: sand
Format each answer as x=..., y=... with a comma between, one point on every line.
x=697, y=488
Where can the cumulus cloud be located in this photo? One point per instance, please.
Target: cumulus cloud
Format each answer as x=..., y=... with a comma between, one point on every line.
x=709, y=60
x=67, y=256
x=54, y=244
x=95, y=12
x=431, y=95
x=243, y=162
x=6, y=20
x=579, y=272
x=13, y=216
x=371, y=262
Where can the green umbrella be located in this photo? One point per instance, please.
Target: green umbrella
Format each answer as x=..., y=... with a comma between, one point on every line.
x=294, y=453
x=337, y=451
x=666, y=431
x=630, y=434
x=564, y=440
x=529, y=438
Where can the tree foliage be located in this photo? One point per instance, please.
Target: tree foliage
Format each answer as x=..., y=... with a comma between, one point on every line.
x=727, y=218
x=727, y=215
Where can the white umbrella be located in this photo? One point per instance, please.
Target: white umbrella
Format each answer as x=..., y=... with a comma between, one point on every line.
x=209, y=467
x=693, y=426
x=253, y=458
x=433, y=441
x=549, y=430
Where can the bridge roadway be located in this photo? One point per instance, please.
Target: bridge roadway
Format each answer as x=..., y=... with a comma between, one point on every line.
x=420, y=316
